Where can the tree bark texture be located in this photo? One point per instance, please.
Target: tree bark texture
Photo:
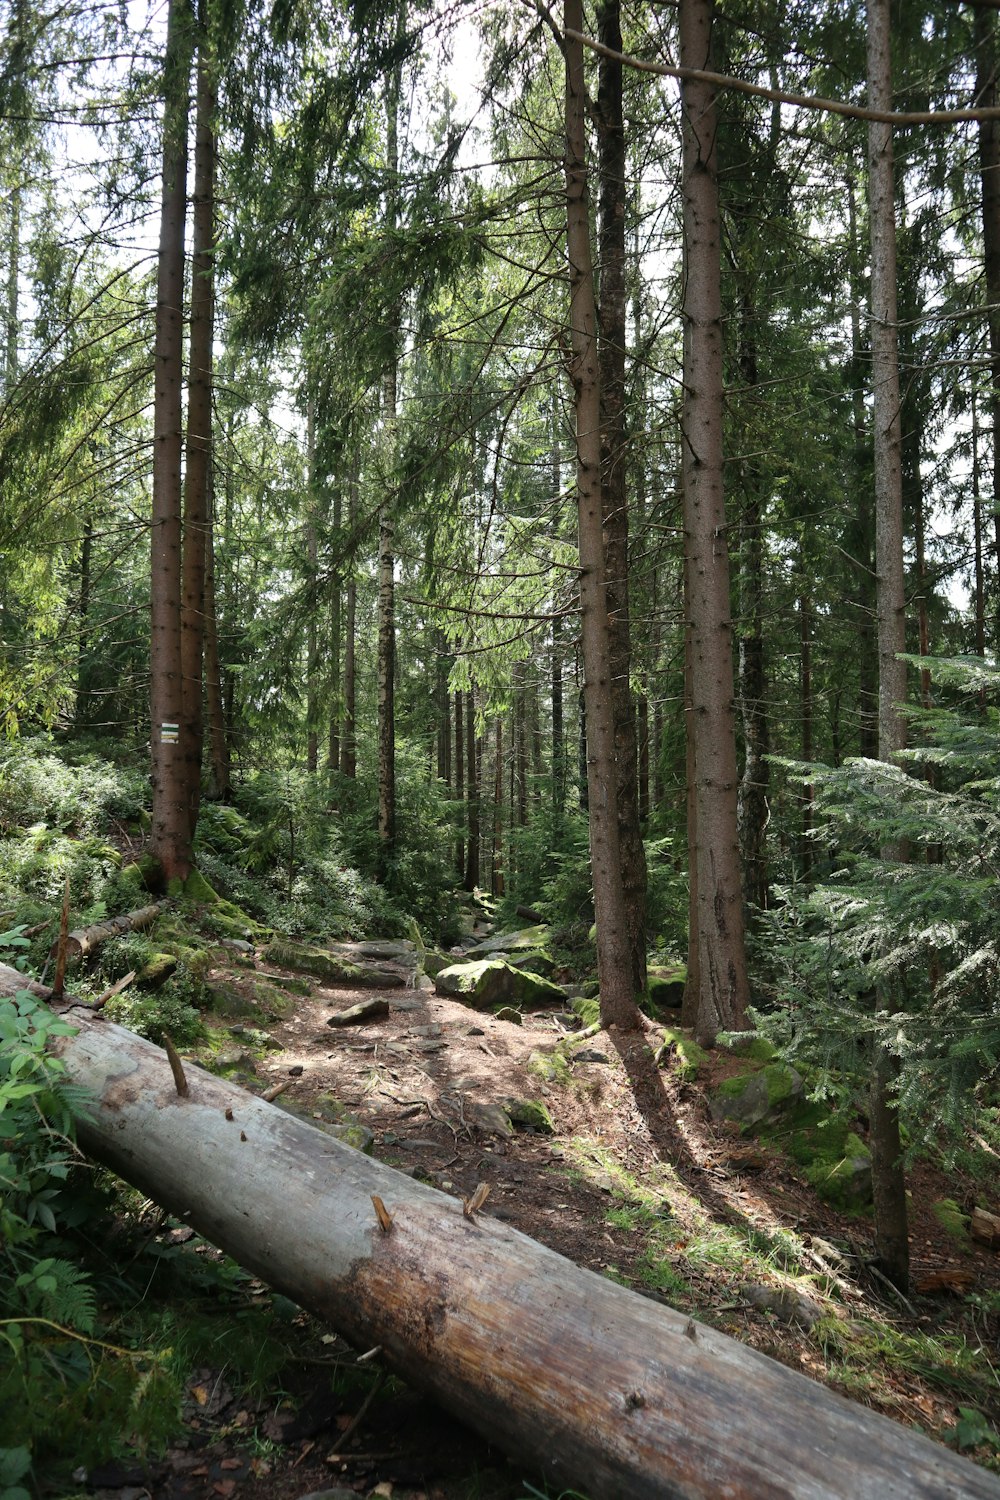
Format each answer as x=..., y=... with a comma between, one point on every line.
x=171, y=830
x=349, y=743
x=460, y=787
x=752, y=808
x=312, y=624
x=614, y=948
x=198, y=461
x=220, y=772
x=722, y=967
x=611, y=171
x=387, y=531
x=505, y=1333
x=861, y=536
x=335, y=708
x=889, y=1187
x=473, y=762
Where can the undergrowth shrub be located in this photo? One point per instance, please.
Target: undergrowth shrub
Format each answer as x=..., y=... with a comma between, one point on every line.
x=75, y=790
x=61, y=1388
x=919, y=933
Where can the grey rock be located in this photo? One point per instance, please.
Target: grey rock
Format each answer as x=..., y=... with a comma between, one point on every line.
x=489, y=1118
x=240, y=945
x=790, y=1306
x=589, y=1055
x=756, y=1097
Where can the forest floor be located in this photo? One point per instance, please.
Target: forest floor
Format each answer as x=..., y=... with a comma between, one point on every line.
x=634, y=1181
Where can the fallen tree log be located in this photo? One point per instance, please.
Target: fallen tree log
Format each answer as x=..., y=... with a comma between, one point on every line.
x=569, y=1372
x=85, y=939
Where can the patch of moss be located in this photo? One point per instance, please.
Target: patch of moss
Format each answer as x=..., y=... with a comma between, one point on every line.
x=741, y=1044
x=681, y=1047
x=283, y=981
x=952, y=1219
x=532, y=1114
x=589, y=1011
x=550, y=1066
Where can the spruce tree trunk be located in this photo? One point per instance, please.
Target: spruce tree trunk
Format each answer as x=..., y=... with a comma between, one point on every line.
x=171, y=828
x=460, y=788
x=979, y=587
x=611, y=169
x=12, y=318
x=496, y=863
x=348, y=744
x=312, y=627
x=863, y=537
x=752, y=812
x=559, y=758
x=889, y=1187
x=336, y=632
x=220, y=774
x=473, y=761
x=614, y=946
x=984, y=22
x=722, y=971
x=198, y=460
x=82, y=714
x=386, y=528
x=806, y=713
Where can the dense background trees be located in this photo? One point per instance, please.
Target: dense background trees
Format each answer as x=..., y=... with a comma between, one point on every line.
x=545, y=471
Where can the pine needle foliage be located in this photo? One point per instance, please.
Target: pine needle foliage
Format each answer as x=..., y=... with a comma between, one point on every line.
x=924, y=931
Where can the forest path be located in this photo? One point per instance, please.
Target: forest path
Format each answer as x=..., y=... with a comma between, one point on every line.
x=633, y=1180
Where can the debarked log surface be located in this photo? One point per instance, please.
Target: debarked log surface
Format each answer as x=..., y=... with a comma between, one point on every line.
x=598, y=1387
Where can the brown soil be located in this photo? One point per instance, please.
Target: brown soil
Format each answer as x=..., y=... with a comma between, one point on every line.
x=420, y=1079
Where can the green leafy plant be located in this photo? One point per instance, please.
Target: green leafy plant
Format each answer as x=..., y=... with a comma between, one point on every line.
x=972, y=1430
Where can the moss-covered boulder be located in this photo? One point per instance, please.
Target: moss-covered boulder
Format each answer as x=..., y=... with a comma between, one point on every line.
x=952, y=1219
x=533, y=961
x=757, y=1096
x=160, y=968
x=745, y=1044
x=433, y=961
x=847, y=1182
x=493, y=981
x=530, y=1114
x=330, y=966
x=526, y=939
x=834, y=1159
x=665, y=984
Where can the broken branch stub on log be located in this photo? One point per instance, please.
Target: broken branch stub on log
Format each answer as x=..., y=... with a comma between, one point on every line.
x=86, y=939
x=598, y=1387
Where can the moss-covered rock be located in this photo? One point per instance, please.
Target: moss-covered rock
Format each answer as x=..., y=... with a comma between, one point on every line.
x=552, y=1067
x=530, y=1114
x=286, y=982
x=332, y=968
x=533, y=961
x=493, y=981
x=755, y=1096
x=433, y=961
x=742, y=1044
x=680, y=1050
x=588, y=1010
x=665, y=985
x=952, y=1219
x=845, y=1183
x=160, y=968
x=526, y=939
